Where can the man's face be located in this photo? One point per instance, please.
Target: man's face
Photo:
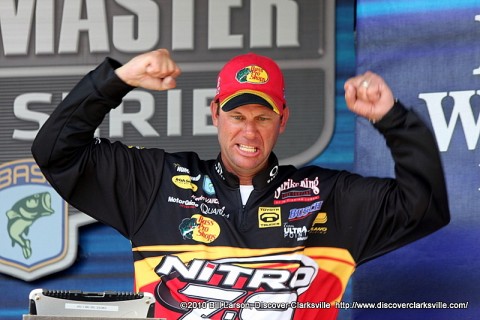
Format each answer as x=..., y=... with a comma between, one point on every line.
x=247, y=135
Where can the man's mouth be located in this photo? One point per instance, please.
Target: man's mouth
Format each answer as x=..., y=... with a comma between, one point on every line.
x=247, y=148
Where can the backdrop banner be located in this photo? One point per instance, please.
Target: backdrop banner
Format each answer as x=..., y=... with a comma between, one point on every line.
x=46, y=47
x=429, y=53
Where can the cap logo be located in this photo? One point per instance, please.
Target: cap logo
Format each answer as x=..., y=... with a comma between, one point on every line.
x=252, y=74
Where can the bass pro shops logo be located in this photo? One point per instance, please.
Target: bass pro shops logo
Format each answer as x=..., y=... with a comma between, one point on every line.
x=252, y=74
x=33, y=220
x=199, y=228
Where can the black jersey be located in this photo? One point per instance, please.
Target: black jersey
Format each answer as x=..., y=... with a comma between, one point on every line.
x=288, y=253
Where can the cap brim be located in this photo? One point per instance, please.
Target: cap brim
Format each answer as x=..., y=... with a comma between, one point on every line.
x=242, y=98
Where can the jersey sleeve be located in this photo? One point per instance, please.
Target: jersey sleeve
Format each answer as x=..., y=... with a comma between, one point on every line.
x=378, y=215
x=108, y=181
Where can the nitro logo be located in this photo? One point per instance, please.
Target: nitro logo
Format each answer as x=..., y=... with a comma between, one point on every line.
x=231, y=280
x=201, y=271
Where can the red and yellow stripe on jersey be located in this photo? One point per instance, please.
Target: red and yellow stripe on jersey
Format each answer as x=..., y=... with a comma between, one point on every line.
x=213, y=281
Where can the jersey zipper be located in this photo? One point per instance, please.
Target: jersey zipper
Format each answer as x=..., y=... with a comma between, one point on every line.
x=243, y=211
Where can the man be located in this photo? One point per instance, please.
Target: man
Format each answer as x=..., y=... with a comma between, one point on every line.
x=241, y=237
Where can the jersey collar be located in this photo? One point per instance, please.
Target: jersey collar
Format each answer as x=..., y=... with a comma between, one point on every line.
x=261, y=180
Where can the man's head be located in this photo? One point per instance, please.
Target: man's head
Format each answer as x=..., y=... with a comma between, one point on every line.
x=250, y=112
x=251, y=79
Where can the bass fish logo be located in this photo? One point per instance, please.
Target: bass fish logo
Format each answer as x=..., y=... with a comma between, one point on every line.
x=187, y=226
x=23, y=214
x=34, y=228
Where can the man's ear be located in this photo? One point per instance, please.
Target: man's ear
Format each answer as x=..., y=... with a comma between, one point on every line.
x=214, y=109
x=284, y=120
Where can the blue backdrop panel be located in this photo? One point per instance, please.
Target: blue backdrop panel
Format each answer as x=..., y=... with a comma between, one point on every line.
x=429, y=53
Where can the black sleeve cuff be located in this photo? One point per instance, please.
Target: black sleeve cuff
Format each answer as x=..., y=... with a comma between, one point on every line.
x=395, y=116
x=107, y=83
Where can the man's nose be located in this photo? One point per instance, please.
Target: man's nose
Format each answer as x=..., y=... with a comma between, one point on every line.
x=250, y=128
